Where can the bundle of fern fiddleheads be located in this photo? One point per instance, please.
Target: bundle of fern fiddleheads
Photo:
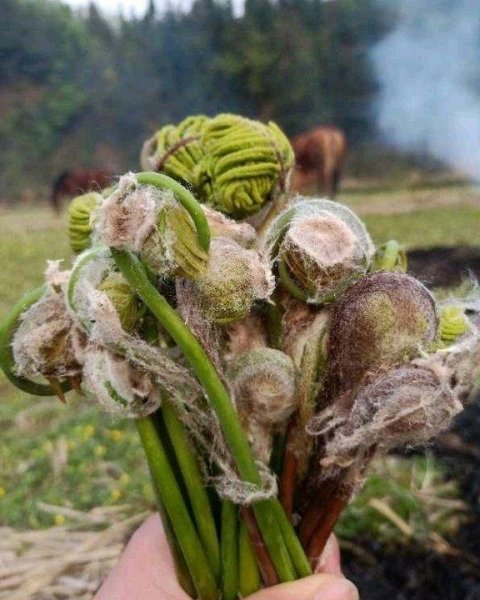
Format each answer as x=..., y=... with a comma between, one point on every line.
x=260, y=343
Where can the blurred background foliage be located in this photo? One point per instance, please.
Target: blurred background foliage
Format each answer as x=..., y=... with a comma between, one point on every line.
x=81, y=89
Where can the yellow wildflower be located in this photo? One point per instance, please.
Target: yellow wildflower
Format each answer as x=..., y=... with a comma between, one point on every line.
x=88, y=431
x=115, y=495
x=100, y=451
x=116, y=435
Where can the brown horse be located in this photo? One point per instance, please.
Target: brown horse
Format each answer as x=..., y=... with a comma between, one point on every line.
x=71, y=183
x=320, y=154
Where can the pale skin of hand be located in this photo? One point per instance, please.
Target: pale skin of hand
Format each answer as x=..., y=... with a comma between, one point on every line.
x=145, y=571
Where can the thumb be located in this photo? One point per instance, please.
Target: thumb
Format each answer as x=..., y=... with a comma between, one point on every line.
x=316, y=587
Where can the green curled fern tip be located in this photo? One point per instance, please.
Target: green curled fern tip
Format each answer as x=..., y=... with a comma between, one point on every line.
x=245, y=163
x=80, y=225
x=391, y=256
x=176, y=150
x=234, y=164
x=453, y=324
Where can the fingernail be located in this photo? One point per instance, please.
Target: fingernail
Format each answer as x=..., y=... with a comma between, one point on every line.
x=337, y=589
x=329, y=561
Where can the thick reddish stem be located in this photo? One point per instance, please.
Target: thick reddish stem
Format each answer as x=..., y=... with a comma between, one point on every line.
x=317, y=510
x=265, y=564
x=325, y=508
x=332, y=512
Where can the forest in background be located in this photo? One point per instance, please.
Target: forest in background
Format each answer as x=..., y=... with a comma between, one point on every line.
x=83, y=89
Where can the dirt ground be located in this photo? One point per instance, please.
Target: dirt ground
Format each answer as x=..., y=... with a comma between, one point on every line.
x=409, y=572
x=444, y=267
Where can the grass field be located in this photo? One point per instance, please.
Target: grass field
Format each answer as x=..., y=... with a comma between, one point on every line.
x=73, y=456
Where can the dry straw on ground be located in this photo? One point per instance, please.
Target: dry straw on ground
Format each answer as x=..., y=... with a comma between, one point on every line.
x=65, y=561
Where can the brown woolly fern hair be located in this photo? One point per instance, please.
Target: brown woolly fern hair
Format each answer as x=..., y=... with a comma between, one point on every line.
x=234, y=279
x=407, y=405
x=383, y=319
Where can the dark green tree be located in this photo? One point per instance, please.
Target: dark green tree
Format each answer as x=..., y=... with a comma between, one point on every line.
x=81, y=89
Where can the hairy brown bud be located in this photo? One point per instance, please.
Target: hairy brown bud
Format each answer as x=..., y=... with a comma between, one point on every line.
x=319, y=252
x=46, y=340
x=321, y=246
x=407, y=405
x=151, y=222
x=119, y=387
x=246, y=335
x=263, y=382
x=383, y=319
x=300, y=324
x=235, y=278
x=221, y=226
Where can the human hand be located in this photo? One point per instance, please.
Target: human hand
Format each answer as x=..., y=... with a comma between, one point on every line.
x=145, y=571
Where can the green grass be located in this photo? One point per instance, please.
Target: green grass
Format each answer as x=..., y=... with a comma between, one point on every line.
x=428, y=228
x=404, y=498
x=66, y=456
x=29, y=237
x=76, y=456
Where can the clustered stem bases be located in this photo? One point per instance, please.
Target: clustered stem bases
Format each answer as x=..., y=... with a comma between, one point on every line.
x=265, y=349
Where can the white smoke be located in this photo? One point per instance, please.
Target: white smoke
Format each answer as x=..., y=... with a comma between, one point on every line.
x=427, y=69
